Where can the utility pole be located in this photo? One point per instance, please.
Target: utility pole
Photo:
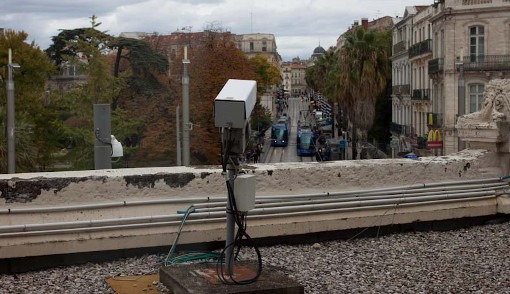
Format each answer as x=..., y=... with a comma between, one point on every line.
x=462, y=95
x=178, y=131
x=185, y=110
x=11, y=153
x=102, y=134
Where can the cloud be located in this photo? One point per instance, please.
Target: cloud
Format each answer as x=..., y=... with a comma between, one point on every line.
x=298, y=25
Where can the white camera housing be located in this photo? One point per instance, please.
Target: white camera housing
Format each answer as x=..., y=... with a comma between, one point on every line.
x=232, y=110
x=117, y=150
x=234, y=103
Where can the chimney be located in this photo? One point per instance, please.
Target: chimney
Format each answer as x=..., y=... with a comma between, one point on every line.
x=364, y=23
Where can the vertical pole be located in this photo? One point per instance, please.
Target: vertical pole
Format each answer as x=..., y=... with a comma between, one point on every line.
x=11, y=157
x=229, y=252
x=461, y=98
x=102, y=137
x=185, y=110
x=178, y=131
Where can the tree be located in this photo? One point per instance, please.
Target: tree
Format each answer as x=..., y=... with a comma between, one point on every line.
x=88, y=48
x=266, y=73
x=213, y=62
x=143, y=62
x=364, y=69
x=38, y=128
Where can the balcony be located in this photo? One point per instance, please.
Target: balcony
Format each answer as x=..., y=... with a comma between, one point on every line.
x=401, y=90
x=420, y=48
x=486, y=62
x=399, y=129
x=436, y=66
x=399, y=47
x=421, y=94
x=434, y=120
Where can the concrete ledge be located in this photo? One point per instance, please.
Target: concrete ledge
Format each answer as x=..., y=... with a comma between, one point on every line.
x=104, y=186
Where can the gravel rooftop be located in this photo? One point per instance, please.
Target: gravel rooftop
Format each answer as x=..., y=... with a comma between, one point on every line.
x=471, y=260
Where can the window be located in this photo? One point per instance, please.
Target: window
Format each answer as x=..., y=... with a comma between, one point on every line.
x=476, y=43
x=475, y=97
x=251, y=46
x=264, y=46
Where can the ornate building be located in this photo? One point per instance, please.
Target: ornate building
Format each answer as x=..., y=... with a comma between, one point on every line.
x=471, y=47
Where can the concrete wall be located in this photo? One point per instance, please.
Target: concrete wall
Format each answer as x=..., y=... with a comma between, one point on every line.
x=104, y=186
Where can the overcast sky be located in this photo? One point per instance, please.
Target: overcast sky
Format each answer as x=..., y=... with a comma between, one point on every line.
x=299, y=25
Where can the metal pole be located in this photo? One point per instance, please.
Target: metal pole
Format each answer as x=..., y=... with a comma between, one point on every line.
x=229, y=252
x=11, y=157
x=178, y=131
x=185, y=110
x=461, y=99
x=102, y=137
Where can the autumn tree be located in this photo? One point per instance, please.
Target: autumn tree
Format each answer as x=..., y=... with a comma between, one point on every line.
x=213, y=63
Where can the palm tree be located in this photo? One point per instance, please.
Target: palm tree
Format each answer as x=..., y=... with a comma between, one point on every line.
x=363, y=71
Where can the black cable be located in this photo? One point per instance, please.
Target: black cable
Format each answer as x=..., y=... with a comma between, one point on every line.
x=240, y=221
x=96, y=133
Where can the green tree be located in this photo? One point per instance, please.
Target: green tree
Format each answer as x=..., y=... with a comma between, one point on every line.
x=89, y=51
x=143, y=62
x=364, y=70
x=38, y=128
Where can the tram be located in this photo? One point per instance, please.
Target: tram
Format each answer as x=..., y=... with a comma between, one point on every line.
x=280, y=132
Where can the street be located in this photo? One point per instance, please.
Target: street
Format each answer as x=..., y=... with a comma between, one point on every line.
x=289, y=153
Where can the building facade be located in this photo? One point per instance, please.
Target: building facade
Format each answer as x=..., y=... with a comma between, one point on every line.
x=259, y=44
x=298, y=74
x=471, y=46
x=420, y=52
x=401, y=126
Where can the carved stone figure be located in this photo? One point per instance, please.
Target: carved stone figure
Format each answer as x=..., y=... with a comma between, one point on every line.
x=495, y=104
x=489, y=128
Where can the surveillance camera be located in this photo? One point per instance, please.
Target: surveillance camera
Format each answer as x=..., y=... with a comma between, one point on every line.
x=117, y=150
x=232, y=110
x=234, y=103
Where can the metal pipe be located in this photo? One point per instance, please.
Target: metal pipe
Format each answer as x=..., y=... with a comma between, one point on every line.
x=212, y=220
x=342, y=200
x=109, y=205
x=276, y=202
x=209, y=214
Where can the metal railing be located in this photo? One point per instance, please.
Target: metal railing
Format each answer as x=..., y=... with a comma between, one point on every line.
x=421, y=94
x=399, y=47
x=486, y=62
x=420, y=48
x=436, y=66
x=475, y=2
x=401, y=90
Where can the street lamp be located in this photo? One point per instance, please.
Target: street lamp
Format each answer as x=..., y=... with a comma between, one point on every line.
x=11, y=159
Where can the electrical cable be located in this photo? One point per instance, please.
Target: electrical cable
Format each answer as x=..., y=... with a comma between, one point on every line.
x=96, y=133
x=240, y=220
x=191, y=255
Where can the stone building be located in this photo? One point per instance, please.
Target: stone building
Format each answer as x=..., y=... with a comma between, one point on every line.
x=298, y=73
x=287, y=76
x=420, y=52
x=259, y=44
x=401, y=127
x=471, y=46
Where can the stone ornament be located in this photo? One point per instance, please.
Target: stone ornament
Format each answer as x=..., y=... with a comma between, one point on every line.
x=495, y=104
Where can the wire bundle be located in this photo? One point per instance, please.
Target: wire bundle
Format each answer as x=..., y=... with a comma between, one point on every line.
x=240, y=220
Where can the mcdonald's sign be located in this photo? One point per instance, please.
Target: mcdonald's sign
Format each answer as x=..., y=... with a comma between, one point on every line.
x=434, y=140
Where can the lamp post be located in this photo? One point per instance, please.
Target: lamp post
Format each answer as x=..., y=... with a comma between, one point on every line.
x=11, y=158
x=185, y=111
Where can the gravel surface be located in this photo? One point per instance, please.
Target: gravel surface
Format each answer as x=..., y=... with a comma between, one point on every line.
x=473, y=260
